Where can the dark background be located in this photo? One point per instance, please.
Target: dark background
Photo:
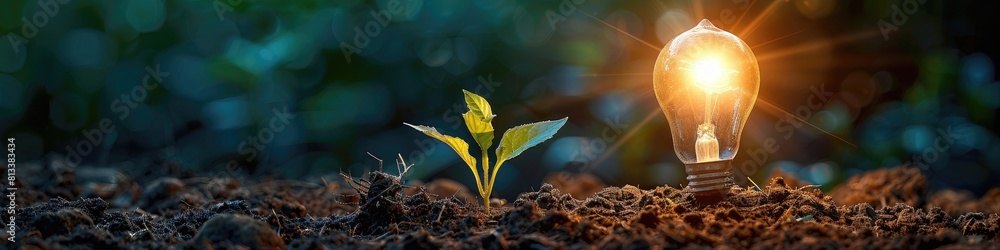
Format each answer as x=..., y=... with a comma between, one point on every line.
x=232, y=64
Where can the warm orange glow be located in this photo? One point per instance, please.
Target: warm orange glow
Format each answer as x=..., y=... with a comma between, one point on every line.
x=710, y=74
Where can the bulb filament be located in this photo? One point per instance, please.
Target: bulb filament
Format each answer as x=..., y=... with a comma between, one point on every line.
x=711, y=76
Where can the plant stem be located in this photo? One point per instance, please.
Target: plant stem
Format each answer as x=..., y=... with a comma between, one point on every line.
x=493, y=176
x=486, y=205
x=488, y=188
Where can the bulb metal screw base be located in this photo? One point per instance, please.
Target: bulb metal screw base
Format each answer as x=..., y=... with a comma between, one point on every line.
x=709, y=181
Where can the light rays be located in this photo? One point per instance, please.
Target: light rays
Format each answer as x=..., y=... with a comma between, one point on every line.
x=776, y=39
x=818, y=44
x=625, y=137
x=758, y=19
x=657, y=49
x=744, y=14
x=620, y=74
x=788, y=114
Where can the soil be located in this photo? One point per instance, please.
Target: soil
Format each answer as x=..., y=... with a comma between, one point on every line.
x=63, y=206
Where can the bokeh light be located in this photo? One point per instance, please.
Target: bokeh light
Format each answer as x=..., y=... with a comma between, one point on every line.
x=349, y=81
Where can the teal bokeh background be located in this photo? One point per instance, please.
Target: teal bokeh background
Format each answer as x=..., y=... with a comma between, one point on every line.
x=192, y=81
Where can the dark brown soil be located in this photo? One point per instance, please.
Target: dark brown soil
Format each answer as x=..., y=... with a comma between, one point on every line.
x=884, y=187
x=880, y=209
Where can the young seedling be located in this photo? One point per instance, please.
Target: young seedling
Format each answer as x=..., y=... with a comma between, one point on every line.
x=479, y=122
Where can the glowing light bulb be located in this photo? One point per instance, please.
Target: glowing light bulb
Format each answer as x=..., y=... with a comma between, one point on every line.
x=706, y=81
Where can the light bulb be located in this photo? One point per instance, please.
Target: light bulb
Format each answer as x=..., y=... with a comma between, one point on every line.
x=706, y=81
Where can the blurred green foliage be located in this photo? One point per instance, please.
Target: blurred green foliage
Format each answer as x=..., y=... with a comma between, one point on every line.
x=235, y=65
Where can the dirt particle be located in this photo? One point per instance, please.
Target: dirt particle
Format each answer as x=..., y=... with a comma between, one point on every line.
x=287, y=208
x=680, y=209
x=535, y=241
x=648, y=217
x=787, y=179
x=778, y=195
x=418, y=240
x=734, y=215
x=240, y=230
x=232, y=207
x=695, y=220
x=62, y=221
x=165, y=195
x=778, y=182
x=493, y=241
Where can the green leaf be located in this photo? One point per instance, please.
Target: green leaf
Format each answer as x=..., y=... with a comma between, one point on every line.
x=460, y=146
x=479, y=120
x=478, y=106
x=481, y=131
x=520, y=138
